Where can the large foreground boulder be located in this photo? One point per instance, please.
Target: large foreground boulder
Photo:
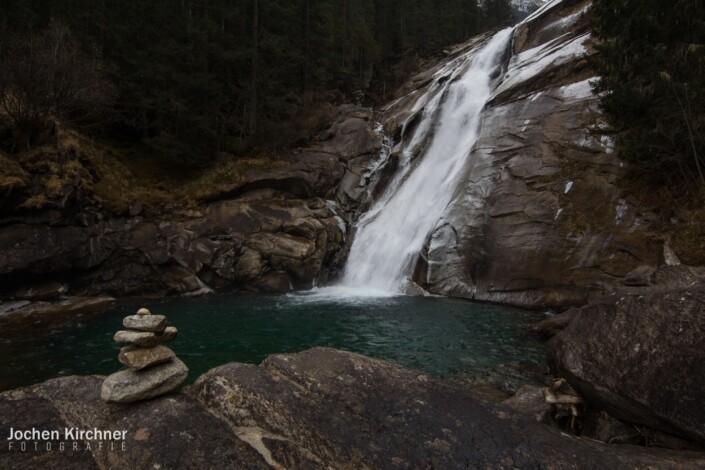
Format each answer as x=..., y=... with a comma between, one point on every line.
x=320, y=409
x=172, y=432
x=333, y=409
x=639, y=355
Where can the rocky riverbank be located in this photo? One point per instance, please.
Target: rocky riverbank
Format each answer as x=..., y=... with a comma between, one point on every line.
x=276, y=226
x=317, y=409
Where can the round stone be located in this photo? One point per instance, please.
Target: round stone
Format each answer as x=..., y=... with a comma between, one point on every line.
x=143, y=311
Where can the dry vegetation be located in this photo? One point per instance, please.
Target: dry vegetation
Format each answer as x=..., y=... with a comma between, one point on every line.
x=117, y=177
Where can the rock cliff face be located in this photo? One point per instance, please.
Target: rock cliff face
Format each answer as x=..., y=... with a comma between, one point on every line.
x=319, y=409
x=281, y=228
x=537, y=219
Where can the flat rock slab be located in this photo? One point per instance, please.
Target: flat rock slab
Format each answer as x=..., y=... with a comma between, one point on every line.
x=138, y=338
x=46, y=291
x=334, y=409
x=27, y=313
x=168, y=335
x=137, y=358
x=129, y=386
x=150, y=323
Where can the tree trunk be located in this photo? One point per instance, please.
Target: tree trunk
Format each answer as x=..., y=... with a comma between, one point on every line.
x=307, y=46
x=252, y=118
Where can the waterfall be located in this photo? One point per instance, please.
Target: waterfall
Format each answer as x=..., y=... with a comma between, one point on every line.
x=392, y=233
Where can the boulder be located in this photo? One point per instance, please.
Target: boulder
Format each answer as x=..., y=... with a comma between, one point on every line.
x=638, y=355
x=129, y=386
x=343, y=410
x=139, y=358
x=172, y=432
x=142, y=339
x=319, y=409
x=149, y=323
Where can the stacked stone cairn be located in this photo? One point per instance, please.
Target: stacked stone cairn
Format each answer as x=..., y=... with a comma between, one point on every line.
x=153, y=369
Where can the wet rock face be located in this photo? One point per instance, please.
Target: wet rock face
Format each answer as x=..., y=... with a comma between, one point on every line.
x=638, y=355
x=282, y=228
x=537, y=218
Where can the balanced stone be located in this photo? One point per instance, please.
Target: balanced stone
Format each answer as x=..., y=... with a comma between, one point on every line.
x=139, y=358
x=138, y=338
x=143, y=311
x=152, y=323
x=129, y=386
x=168, y=335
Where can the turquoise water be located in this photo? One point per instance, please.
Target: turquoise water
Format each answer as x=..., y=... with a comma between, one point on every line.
x=437, y=335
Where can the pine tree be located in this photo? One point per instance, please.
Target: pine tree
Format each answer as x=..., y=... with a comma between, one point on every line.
x=652, y=61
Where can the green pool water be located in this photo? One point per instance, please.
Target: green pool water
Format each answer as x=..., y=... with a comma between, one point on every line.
x=437, y=335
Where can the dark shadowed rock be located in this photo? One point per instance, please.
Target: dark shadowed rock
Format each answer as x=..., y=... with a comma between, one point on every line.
x=554, y=324
x=676, y=277
x=22, y=311
x=639, y=356
x=640, y=276
x=530, y=401
x=130, y=386
x=601, y=426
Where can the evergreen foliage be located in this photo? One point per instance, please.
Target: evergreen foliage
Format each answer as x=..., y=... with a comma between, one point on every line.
x=498, y=12
x=652, y=60
x=195, y=77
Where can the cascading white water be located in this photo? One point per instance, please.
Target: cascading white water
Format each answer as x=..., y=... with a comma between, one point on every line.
x=392, y=234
